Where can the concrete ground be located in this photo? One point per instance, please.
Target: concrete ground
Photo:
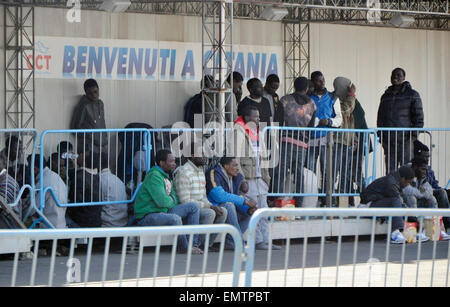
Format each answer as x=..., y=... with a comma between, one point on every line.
x=282, y=272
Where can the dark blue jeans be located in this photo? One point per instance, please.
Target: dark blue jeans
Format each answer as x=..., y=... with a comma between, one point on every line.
x=236, y=219
x=189, y=212
x=393, y=202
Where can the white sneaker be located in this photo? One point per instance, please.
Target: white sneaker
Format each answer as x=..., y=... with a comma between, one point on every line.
x=444, y=236
x=397, y=237
x=421, y=237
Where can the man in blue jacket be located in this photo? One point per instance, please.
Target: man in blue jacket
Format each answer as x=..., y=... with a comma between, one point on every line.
x=329, y=115
x=223, y=188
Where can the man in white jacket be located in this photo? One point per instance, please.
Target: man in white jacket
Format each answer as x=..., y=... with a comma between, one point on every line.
x=52, y=211
x=112, y=190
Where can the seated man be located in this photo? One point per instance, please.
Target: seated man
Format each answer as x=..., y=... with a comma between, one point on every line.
x=420, y=193
x=65, y=151
x=422, y=151
x=84, y=188
x=157, y=204
x=190, y=186
x=112, y=190
x=9, y=189
x=54, y=213
x=14, y=158
x=385, y=192
x=223, y=185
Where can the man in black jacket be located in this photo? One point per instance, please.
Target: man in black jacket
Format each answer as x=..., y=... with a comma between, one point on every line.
x=400, y=107
x=85, y=188
x=385, y=192
x=257, y=100
x=90, y=114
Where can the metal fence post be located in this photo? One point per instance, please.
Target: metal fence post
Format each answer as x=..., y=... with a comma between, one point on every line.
x=329, y=170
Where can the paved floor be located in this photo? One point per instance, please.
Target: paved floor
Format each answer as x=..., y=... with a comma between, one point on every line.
x=282, y=271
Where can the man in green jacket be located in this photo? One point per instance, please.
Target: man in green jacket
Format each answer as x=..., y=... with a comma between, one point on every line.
x=157, y=205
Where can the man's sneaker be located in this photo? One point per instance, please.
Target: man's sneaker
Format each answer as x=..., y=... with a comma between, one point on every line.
x=397, y=237
x=421, y=237
x=276, y=247
x=444, y=236
x=265, y=246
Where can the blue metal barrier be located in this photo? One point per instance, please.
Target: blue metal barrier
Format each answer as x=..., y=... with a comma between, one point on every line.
x=295, y=143
x=100, y=144
x=23, y=177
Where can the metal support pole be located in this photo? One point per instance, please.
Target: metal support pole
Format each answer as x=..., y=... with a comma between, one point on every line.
x=329, y=170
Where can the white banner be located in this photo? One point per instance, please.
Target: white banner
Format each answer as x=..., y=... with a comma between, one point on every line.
x=69, y=58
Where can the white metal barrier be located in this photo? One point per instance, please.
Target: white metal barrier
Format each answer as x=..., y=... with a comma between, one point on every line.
x=348, y=261
x=163, y=267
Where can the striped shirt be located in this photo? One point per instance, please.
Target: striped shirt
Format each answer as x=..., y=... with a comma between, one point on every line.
x=190, y=185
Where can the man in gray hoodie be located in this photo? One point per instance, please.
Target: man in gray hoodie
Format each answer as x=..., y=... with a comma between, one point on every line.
x=90, y=114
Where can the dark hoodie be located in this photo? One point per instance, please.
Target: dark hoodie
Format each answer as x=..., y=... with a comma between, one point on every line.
x=384, y=187
x=90, y=115
x=403, y=109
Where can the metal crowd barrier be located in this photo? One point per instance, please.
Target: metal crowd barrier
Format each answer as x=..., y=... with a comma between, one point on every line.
x=302, y=152
x=90, y=168
x=394, y=147
x=177, y=138
x=355, y=260
x=117, y=267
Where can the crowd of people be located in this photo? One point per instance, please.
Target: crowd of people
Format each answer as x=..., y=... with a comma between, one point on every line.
x=231, y=190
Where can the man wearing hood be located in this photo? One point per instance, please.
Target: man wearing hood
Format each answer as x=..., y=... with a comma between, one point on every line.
x=400, y=107
x=345, y=142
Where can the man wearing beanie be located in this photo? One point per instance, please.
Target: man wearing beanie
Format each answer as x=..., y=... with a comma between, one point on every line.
x=421, y=151
x=344, y=141
x=385, y=192
x=299, y=111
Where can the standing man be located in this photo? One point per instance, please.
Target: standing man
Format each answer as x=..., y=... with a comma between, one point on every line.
x=157, y=204
x=344, y=146
x=256, y=100
x=299, y=111
x=90, y=114
x=238, y=80
x=358, y=158
x=250, y=153
x=400, y=107
x=194, y=106
x=270, y=93
x=329, y=115
x=190, y=186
